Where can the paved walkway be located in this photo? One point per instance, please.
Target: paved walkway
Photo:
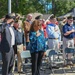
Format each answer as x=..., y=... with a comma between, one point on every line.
x=68, y=71
x=56, y=72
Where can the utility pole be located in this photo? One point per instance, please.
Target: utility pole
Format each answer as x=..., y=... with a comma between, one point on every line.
x=47, y=6
x=53, y=7
x=9, y=6
x=74, y=16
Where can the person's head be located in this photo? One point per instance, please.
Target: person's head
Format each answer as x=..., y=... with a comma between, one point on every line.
x=41, y=21
x=35, y=25
x=18, y=16
x=16, y=25
x=29, y=17
x=70, y=20
x=38, y=17
x=9, y=19
x=64, y=19
x=53, y=19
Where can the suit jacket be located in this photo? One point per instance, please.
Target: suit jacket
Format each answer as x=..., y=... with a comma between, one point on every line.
x=5, y=43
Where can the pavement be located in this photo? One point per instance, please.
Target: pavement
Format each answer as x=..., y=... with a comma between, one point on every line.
x=60, y=71
x=56, y=72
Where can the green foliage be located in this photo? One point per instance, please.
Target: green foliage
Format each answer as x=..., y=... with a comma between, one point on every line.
x=63, y=6
x=26, y=6
x=30, y=6
x=3, y=7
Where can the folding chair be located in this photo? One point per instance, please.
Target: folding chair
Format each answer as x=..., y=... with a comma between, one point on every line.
x=0, y=58
x=45, y=61
x=1, y=62
x=70, y=51
x=26, y=55
x=53, y=61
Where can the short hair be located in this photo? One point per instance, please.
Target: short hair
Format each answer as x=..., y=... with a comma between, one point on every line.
x=29, y=15
x=69, y=17
x=52, y=17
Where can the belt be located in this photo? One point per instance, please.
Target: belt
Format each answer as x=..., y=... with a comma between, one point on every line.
x=53, y=38
x=69, y=38
x=19, y=43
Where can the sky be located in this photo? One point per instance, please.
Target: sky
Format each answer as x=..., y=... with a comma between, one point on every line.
x=47, y=6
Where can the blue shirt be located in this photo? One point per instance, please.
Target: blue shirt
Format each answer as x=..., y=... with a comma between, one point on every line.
x=52, y=33
x=74, y=32
x=66, y=28
x=19, y=37
x=37, y=43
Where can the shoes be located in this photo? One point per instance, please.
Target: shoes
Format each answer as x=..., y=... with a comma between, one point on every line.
x=20, y=72
x=65, y=65
x=42, y=69
x=54, y=67
x=70, y=63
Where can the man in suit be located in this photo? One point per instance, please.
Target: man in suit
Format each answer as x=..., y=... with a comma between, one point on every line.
x=6, y=45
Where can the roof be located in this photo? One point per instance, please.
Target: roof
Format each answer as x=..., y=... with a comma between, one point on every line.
x=44, y=16
x=66, y=15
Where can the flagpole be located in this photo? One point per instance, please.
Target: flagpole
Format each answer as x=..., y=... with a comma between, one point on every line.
x=9, y=6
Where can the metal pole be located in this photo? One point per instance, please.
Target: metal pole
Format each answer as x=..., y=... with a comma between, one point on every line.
x=47, y=6
x=9, y=6
x=53, y=6
x=74, y=16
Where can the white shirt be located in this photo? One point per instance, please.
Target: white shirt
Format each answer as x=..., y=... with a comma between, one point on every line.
x=53, y=31
x=13, y=36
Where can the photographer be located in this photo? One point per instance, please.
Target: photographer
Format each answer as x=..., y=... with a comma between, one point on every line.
x=6, y=45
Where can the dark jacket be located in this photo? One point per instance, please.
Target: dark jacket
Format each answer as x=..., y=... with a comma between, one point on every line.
x=5, y=43
x=19, y=38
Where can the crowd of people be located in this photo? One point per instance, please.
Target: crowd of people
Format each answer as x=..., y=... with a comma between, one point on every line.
x=36, y=36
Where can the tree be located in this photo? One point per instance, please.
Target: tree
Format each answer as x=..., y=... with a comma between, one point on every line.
x=26, y=6
x=63, y=6
x=3, y=8
x=30, y=6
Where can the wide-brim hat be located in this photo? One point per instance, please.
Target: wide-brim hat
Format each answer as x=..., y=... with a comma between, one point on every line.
x=38, y=17
x=9, y=16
